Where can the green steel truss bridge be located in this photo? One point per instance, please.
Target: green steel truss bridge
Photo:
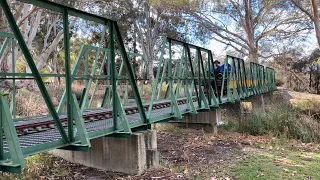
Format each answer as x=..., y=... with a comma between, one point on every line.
x=183, y=86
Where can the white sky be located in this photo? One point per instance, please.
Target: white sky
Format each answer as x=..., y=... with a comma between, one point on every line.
x=219, y=49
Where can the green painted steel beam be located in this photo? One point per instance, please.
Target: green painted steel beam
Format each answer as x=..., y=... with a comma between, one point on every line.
x=130, y=73
x=114, y=75
x=13, y=93
x=72, y=12
x=68, y=73
x=10, y=133
x=4, y=46
x=5, y=34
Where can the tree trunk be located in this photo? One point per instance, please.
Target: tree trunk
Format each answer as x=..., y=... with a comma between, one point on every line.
x=135, y=62
x=150, y=71
x=249, y=31
x=316, y=20
x=253, y=56
x=55, y=66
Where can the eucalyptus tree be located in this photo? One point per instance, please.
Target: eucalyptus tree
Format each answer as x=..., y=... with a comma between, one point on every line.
x=311, y=10
x=143, y=24
x=42, y=32
x=244, y=24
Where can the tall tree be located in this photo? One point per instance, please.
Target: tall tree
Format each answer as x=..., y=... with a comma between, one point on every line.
x=244, y=24
x=143, y=23
x=310, y=8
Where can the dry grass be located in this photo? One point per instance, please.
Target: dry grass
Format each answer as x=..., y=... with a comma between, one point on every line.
x=30, y=103
x=292, y=115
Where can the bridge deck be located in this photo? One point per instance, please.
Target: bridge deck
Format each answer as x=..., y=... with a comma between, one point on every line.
x=41, y=130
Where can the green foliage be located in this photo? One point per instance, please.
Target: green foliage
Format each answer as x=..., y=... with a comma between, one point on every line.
x=20, y=67
x=44, y=71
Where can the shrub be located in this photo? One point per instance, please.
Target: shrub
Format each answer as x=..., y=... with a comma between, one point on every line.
x=37, y=166
x=279, y=82
x=280, y=119
x=30, y=103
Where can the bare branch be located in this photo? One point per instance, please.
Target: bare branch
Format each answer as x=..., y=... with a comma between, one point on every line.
x=303, y=9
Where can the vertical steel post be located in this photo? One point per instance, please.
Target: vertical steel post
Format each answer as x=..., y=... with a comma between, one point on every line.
x=86, y=67
x=214, y=77
x=1, y=132
x=68, y=74
x=162, y=77
x=246, y=87
x=192, y=71
x=13, y=105
x=113, y=75
x=209, y=81
x=206, y=105
x=170, y=71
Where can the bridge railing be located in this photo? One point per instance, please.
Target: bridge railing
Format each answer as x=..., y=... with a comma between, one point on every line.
x=74, y=135
x=184, y=82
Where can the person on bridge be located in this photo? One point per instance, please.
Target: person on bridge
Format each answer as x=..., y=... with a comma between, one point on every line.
x=219, y=68
x=216, y=66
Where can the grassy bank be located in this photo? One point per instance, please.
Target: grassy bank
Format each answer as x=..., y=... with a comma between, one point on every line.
x=279, y=165
x=281, y=119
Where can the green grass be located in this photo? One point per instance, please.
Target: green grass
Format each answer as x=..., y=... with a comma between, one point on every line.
x=280, y=120
x=279, y=165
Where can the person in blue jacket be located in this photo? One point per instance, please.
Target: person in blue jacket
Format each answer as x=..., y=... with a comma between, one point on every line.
x=216, y=66
x=219, y=68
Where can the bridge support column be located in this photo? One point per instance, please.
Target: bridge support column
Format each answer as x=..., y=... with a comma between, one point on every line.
x=208, y=121
x=126, y=155
x=258, y=102
x=233, y=110
x=249, y=105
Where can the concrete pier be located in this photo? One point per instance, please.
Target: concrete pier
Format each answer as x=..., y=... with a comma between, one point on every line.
x=208, y=121
x=233, y=110
x=247, y=106
x=126, y=155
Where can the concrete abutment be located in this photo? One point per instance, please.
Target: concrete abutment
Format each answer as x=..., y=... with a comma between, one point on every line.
x=126, y=155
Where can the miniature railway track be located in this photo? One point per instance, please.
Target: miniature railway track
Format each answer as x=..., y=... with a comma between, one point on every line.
x=37, y=124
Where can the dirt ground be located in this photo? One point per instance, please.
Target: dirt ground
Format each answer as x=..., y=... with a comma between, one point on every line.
x=294, y=96
x=185, y=154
